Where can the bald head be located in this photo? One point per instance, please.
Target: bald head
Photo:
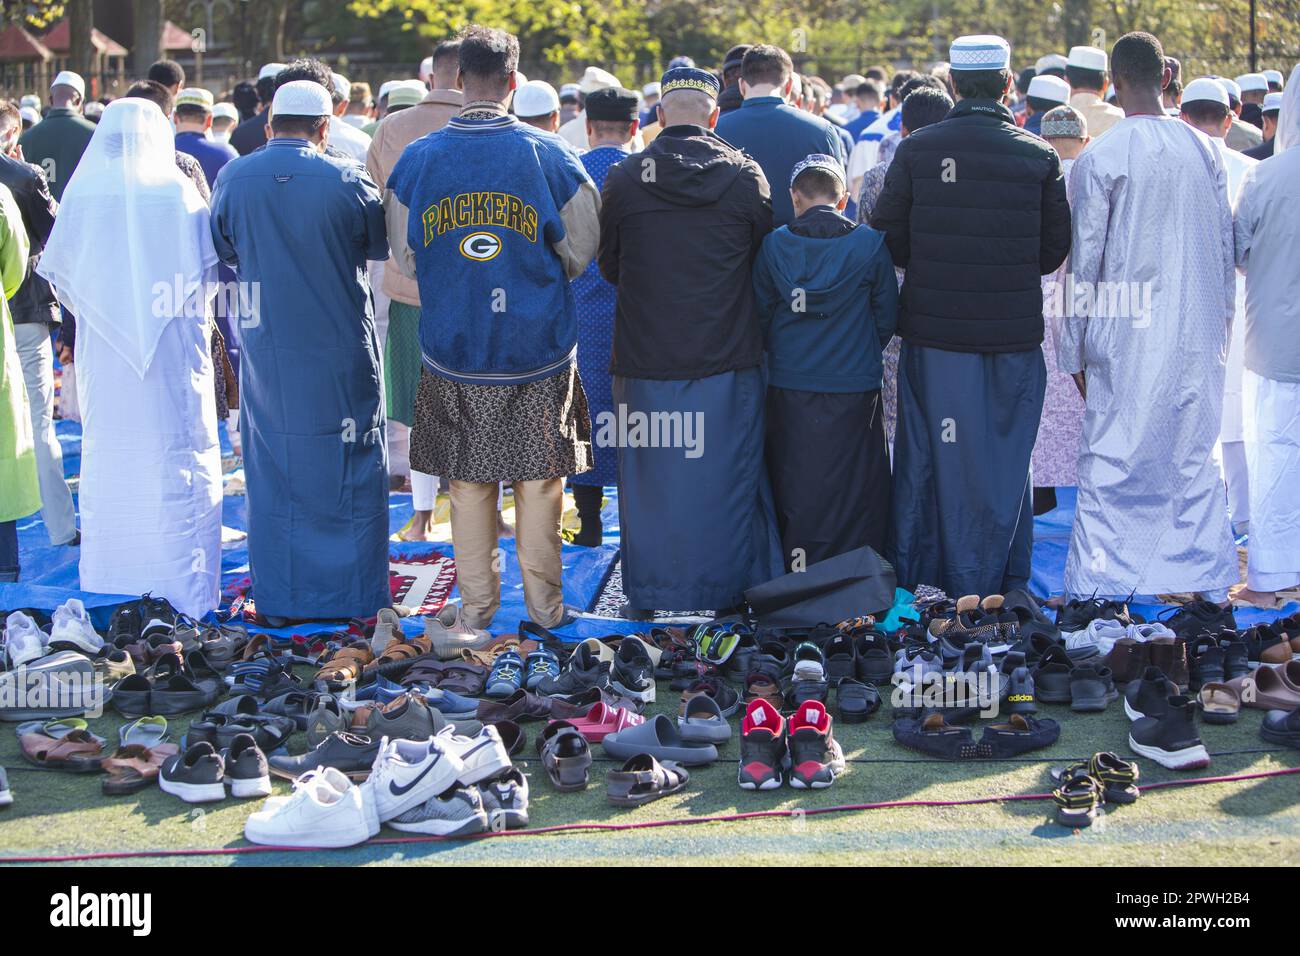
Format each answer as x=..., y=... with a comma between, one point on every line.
x=688, y=108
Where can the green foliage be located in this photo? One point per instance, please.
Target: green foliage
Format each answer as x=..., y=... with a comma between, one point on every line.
x=635, y=38
x=33, y=14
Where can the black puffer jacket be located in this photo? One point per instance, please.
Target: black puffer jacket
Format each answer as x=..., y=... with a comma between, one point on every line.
x=680, y=225
x=35, y=300
x=974, y=209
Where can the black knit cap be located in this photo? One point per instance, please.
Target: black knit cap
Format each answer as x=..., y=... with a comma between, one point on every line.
x=614, y=104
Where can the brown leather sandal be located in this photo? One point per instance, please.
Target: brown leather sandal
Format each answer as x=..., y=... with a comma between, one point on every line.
x=345, y=665
x=134, y=767
x=75, y=752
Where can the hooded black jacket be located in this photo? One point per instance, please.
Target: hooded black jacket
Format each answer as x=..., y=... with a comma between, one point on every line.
x=680, y=225
x=974, y=209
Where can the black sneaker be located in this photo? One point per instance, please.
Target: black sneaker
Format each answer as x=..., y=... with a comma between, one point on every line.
x=816, y=757
x=1170, y=739
x=1146, y=696
x=762, y=748
x=1092, y=687
x=246, y=771
x=351, y=754
x=1052, y=676
x=583, y=670
x=1020, y=687
x=1200, y=617
x=196, y=776
x=1076, y=615
x=771, y=659
x=125, y=625
x=1236, y=656
x=633, y=673
x=1281, y=727
x=809, y=663
x=1205, y=661
x=875, y=660
x=841, y=657
x=157, y=616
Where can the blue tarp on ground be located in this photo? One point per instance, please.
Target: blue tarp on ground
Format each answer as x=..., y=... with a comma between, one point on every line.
x=49, y=575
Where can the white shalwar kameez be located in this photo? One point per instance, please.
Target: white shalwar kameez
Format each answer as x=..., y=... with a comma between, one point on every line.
x=1153, y=245
x=131, y=231
x=1267, y=231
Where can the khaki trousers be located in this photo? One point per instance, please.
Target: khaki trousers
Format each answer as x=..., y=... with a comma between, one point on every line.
x=538, y=509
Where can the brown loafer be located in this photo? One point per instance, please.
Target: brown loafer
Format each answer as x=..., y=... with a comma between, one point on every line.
x=134, y=767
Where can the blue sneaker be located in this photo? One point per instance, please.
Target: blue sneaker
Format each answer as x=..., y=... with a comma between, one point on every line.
x=506, y=676
x=541, y=665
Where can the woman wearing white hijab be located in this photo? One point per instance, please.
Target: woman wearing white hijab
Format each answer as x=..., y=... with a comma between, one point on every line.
x=1267, y=232
x=131, y=257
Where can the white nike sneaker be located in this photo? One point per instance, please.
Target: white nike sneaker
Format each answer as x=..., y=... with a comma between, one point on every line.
x=483, y=756
x=406, y=773
x=1149, y=632
x=72, y=626
x=326, y=810
x=24, y=641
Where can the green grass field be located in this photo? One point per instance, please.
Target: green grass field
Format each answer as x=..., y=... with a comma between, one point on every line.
x=1250, y=822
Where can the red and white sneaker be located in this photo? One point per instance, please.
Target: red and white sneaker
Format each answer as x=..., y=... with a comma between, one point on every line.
x=763, y=756
x=816, y=757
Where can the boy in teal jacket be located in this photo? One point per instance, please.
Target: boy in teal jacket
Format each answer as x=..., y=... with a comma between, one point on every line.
x=828, y=300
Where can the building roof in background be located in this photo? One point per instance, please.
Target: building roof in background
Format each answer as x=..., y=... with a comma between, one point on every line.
x=19, y=46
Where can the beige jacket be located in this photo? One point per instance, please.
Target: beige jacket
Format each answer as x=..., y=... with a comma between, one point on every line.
x=1241, y=135
x=393, y=134
x=1100, y=115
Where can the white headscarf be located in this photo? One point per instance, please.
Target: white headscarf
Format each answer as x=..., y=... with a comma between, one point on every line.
x=1288, y=118
x=130, y=222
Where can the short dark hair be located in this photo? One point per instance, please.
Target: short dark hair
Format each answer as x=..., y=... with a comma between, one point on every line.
x=923, y=107
x=244, y=97
x=766, y=64
x=309, y=69
x=488, y=54
x=1081, y=79
x=899, y=80
x=167, y=72
x=980, y=84
x=153, y=91
x=1040, y=105
x=1175, y=69
x=265, y=87
x=1204, y=112
x=612, y=128
x=876, y=73
x=870, y=88
x=188, y=111
x=447, y=50
x=1024, y=78
x=919, y=82
x=1138, y=59
x=814, y=183
x=291, y=125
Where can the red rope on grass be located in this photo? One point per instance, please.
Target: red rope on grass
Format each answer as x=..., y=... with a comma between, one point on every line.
x=640, y=825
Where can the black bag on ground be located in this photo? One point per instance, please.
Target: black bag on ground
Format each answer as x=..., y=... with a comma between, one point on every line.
x=848, y=585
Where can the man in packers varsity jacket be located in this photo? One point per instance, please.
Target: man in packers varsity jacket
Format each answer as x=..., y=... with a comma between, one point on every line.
x=492, y=218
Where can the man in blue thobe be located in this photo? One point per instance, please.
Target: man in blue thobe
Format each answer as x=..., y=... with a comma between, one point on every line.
x=298, y=227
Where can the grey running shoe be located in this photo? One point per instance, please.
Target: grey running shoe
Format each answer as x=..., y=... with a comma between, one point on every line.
x=506, y=800
x=449, y=634
x=458, y=812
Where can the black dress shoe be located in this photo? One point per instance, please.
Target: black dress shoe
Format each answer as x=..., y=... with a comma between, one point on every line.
x=350, y=754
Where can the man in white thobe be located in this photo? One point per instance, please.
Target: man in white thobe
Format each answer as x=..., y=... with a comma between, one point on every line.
x=1205, y=107
x=1147, y=347
x=1268, y=234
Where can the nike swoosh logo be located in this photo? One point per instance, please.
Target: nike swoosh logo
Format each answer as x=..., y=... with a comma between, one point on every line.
x=397, y=791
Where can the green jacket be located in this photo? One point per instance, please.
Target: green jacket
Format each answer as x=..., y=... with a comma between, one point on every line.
x=56, y=144
x=20, y=495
